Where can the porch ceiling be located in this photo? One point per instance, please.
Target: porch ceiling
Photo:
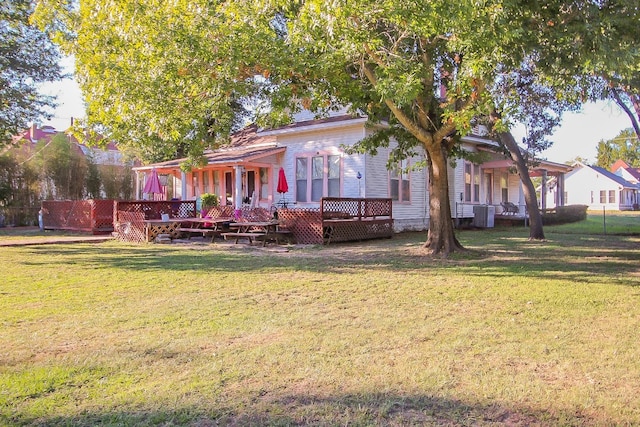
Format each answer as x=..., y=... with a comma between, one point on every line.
x=551, y=167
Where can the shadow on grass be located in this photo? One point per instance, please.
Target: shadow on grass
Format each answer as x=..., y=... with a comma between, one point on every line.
x=303, y=410
x=578, y=258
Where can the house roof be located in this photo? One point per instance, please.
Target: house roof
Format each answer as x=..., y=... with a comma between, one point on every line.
x=634, y=172
x=619, y=164
x=334, y=121
x=245, y=146
x=618, y=179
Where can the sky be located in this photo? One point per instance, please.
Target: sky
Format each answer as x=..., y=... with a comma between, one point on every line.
x=578, y=134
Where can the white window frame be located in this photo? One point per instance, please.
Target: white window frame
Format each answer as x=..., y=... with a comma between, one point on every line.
x=472, y=180
x=400, y=181
x=305, y=179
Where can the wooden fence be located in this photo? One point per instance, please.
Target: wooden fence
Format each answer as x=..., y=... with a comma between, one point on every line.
x=95, y=216
x=153, y=209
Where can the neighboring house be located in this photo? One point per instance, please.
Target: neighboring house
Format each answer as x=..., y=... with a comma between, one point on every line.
x=599, y=188
x=622, y=169
x=311, y=153
x=109, y=157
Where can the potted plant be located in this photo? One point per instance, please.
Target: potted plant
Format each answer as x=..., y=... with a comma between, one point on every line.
x=208, y=200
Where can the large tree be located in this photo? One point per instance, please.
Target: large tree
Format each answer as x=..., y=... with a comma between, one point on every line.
x=572, y=49
x=27, y=59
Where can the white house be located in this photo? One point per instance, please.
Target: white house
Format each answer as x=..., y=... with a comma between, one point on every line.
x=311, y=153
x=622, y=169
x=599, y=188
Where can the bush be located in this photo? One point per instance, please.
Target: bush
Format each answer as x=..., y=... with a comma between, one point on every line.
x=209, y=200
x=565, y=215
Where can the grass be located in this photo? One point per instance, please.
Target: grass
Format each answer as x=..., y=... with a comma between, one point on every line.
x=598, y=222
x=510, y=333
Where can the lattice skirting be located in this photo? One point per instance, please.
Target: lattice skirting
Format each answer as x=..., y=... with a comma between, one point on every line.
x=346, y=231
x=304, y=224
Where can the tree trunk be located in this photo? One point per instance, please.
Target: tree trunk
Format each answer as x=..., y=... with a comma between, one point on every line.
x=536, y=231
x=441, y=238
x=635, y=101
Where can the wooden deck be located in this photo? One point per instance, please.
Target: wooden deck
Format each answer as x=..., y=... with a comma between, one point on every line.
x=336, y=220
x=354, y=219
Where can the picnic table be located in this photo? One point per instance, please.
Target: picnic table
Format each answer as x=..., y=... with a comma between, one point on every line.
x=204, y=226
x=251, y=230
x=154, y=227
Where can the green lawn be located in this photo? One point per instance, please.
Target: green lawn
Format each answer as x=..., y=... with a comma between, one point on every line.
x=511, y=333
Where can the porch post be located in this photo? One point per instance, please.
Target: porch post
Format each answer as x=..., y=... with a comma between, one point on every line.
x=237, y=193
x=560, y=190
x=183, y=185
x=543, y=190
x=137, y=185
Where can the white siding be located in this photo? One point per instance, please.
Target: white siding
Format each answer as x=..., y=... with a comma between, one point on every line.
x=327, y=141
x=411, y=215
x=581, y=182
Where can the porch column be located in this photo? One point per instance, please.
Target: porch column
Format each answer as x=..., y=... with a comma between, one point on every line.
x=237, y=192
x=522, y=205
x=137, y=193
x=560, y=190
x=183, y=185
x=543, y=191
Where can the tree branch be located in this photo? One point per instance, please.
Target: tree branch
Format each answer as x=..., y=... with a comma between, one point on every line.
x=623, y=105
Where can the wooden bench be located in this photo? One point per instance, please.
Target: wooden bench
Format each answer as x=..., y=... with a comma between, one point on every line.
x=237, y=236
x=279, y=235
x=204, y=231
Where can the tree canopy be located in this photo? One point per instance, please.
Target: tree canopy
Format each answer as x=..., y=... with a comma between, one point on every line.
x=27, y=58
x=624, y=146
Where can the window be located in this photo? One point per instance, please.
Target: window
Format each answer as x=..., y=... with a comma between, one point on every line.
x=476, y=185
x=194, y=184
x=205, y=182
x=471, y=183
x=251, y=183
x=603, y=196
x=216, y=183
x=333, y=177
x=488, y=178
x=399, y=184
x=228, y=187
x=467, y=182
x=264, y=183
x=612, y=196
x=317, y=176
x=301, y=179
x=591, y=198
x=504, y=187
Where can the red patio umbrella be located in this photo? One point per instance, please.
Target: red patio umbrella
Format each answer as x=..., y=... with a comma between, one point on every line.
x=153, y=186
x=282, y=187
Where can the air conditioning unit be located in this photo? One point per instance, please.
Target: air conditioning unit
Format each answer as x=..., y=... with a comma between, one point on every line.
x=483, y=216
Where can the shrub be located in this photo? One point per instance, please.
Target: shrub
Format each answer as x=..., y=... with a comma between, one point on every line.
x=565, y=215
x=209, y=200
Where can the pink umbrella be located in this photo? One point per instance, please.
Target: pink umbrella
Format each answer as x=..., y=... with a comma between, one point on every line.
x=153, y=184
x=282, y=187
